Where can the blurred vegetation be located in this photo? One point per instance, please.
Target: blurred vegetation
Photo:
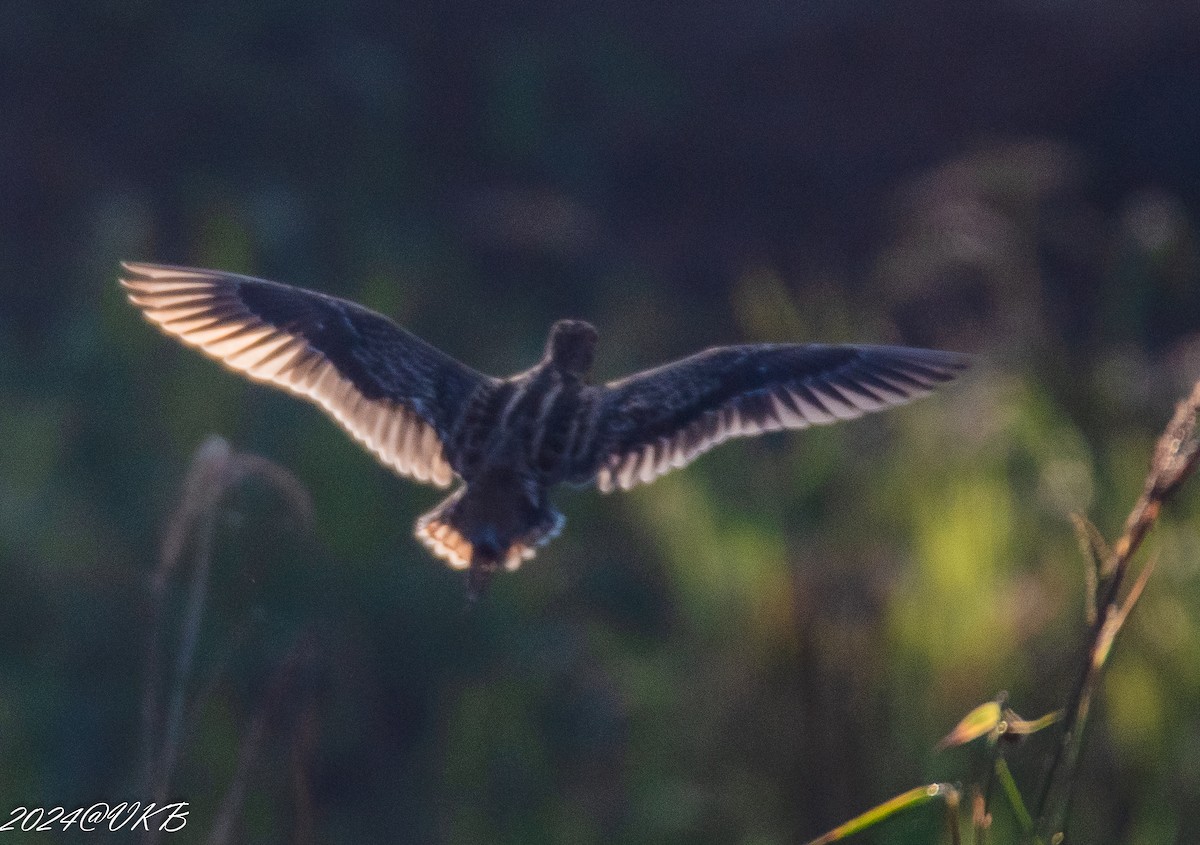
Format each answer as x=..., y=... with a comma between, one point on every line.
x=754, y=650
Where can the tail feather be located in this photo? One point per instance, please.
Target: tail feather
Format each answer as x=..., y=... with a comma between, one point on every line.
x=445, y=535
x=546, y=530
x=443, y=540
x=437, y=531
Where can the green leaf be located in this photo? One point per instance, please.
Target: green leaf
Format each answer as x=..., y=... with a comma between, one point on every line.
x=979, y=722
x=904, y=801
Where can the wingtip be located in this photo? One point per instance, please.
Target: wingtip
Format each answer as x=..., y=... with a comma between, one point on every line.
x=947, y=356
x=947, y=364
x=959, y=362
x=963, y=360
x=136, y=274
x=142, y=268
x=145, y=270
x=132, y=277
x=129, y=268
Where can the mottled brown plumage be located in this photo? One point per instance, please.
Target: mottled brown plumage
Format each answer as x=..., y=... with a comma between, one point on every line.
x=511, y=440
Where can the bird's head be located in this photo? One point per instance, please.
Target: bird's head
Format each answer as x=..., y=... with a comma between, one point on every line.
x=572, y=346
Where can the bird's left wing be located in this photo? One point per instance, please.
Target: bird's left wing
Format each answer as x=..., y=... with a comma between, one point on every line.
x=662, y=419
x=392, y=391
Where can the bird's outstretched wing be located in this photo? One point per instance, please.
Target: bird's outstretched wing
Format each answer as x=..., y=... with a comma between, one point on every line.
x=392, y=391
x=662, y=419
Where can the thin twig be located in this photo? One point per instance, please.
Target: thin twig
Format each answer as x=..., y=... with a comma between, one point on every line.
x=1175, y=457
x=981, y=819
x=200, y=489
x=1013, y=794
x=207, y=687
x=231, y=805
x=304, y=739
x=194, y=616
x=215, y=468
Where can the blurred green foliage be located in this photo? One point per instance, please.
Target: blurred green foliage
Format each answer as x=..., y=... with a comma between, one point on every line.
x=750, y=651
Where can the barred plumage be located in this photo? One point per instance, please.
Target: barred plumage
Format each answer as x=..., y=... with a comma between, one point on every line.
x=431, y=418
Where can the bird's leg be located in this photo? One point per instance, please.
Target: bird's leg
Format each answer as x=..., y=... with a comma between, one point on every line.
x=479, y=576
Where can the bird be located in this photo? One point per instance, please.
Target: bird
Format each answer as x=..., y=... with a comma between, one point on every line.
x=509, y=441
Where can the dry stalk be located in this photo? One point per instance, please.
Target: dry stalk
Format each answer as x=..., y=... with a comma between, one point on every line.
x=215, y=469
x=1175, y=457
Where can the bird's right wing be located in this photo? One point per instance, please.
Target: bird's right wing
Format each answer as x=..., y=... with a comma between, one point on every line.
x=662, y=419
x=392, y=391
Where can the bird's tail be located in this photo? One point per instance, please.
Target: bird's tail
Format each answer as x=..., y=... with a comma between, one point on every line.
x=447, y=534
x=437, y=530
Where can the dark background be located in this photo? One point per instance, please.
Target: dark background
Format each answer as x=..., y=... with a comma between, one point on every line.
x=749, y=651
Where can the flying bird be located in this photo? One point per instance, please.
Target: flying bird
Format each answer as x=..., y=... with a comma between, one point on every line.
x=510, y=440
